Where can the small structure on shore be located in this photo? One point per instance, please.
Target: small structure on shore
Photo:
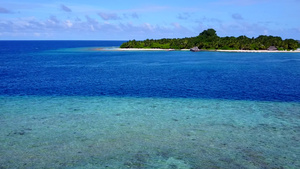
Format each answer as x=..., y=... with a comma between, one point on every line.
x=195, y=49
x=272, y=48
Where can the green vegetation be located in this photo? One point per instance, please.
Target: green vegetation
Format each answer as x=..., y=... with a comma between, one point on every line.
x=208, y=39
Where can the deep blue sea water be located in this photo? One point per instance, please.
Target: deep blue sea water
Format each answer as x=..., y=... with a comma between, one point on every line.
x=67, y=104
x=46, y=68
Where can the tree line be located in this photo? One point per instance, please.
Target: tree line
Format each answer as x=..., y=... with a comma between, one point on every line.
x=209, y=40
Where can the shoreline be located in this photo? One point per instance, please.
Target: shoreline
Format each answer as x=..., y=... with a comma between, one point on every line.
x=135, y=49
x=260, y=51
x=217, y=50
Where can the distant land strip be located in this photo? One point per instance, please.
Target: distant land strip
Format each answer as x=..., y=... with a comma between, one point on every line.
x=209, y=40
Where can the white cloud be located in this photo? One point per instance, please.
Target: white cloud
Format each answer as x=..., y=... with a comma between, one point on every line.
x=4, y=10
x=37, y=34
x=69, y=23
x=241, y=28
x=92, y=28
x=237, y=16
x=184, y=16
x=135, y=15
x=148, y=26
x=176, y=25
x=240, y=2
x=96, y=28
x=88, y=29
x=65, y=8
x=109, y=16
x=53, y=19
x=91, y=20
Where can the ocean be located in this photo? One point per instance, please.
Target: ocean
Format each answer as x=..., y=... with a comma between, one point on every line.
x=67, y=104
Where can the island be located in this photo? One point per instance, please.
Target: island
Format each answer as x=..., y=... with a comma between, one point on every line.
x=209, y=40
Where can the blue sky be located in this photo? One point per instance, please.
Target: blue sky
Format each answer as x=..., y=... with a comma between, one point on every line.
x=136, y=19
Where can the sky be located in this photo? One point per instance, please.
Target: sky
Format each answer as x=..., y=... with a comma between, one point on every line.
x=137, y=19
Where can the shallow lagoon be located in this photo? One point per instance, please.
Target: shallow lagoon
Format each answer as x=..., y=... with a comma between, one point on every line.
x=70, y=107
x=112, y=132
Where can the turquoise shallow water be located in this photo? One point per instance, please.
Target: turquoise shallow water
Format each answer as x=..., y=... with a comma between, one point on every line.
x=128, y=132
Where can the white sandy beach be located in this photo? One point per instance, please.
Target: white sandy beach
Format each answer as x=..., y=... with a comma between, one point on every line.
x=218, y=50
x=144, y=49
x=136, y=49
x=261, y=51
